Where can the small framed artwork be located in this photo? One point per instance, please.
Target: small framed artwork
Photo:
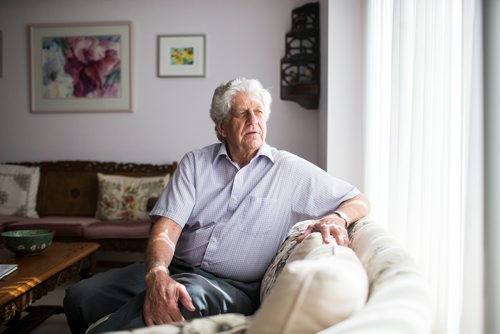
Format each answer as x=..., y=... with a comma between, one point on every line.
x=82, y=67
x=181, y=56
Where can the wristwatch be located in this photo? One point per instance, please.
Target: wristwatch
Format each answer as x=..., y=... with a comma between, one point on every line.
x=343, y=216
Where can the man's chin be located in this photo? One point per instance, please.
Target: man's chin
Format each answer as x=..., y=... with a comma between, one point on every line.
x=254, y=144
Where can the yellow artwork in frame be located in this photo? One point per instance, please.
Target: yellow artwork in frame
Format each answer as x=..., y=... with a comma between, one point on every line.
x=181, y=56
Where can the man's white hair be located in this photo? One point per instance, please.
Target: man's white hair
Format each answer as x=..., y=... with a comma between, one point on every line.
x=223, y=97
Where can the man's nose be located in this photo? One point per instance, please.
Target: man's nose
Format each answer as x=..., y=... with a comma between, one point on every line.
x=252, y=117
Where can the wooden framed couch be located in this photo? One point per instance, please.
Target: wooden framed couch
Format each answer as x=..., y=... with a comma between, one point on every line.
x=104, y=202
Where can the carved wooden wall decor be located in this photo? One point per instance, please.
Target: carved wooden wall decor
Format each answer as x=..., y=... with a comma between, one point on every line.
x=300, y=66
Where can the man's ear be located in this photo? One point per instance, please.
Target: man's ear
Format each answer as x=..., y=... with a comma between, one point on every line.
x=220, y=129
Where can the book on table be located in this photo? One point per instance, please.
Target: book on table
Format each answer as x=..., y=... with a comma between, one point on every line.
x=6, y=269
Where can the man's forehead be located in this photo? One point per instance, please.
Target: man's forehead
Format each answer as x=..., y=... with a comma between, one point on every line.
x=244, y=100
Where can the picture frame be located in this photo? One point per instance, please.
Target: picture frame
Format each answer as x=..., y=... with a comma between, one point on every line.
x=81, y=67
x=181, y=56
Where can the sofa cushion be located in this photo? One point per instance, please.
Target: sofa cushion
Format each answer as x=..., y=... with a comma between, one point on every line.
x=321, y=285
x=18, y=190
x=118, y=229
x=400, y=300
x=6, y=220
x=126, y=198
x=62, y=226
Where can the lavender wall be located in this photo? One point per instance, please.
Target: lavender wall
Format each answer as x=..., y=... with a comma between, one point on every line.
x=244, y=38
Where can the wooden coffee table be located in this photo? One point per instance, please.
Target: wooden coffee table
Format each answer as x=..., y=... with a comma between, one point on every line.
x=36, y=276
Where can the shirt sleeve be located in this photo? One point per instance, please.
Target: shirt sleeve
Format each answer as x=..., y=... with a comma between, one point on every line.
x=319, y=193
x=178, y=198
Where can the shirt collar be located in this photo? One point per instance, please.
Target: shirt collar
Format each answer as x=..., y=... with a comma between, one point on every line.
x=265, y=150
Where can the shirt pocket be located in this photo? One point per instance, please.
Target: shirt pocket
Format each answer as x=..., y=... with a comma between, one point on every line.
x=261, y=215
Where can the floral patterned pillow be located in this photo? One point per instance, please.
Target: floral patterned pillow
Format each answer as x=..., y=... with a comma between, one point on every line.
x=125, y=198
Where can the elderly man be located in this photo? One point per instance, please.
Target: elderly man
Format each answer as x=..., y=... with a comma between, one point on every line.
x=218, y=224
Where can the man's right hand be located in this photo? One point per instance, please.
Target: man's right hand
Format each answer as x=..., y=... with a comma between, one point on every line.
x=163, y=294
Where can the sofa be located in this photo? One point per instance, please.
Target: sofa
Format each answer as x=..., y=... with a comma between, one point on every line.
x=100, y=201
x=373, y=286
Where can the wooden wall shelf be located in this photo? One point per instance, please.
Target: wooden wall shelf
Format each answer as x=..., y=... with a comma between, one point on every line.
x=300, y=66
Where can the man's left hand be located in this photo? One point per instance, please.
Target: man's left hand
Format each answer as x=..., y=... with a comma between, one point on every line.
x=329, y=226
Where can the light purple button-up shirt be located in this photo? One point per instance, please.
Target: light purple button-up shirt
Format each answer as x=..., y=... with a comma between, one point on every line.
x=235, y=219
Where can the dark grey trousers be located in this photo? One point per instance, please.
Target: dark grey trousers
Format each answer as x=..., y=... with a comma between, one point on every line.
x=120, y=292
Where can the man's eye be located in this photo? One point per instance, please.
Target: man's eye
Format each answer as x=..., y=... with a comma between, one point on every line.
x=247, y=114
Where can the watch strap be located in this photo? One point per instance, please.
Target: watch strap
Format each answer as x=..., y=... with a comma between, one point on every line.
x=343, y=216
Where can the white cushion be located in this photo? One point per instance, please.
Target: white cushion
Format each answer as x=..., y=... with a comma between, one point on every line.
x=125, y=197
x=281, y=258
x=321, y=285
x=399, y=299
x=18, y=190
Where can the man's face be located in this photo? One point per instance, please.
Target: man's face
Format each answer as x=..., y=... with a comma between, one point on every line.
x=245, y=127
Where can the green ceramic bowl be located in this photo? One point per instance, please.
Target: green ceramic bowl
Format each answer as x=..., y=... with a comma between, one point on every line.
x=27, y=242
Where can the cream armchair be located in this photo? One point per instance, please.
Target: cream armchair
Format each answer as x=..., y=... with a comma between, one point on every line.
x=388, y=294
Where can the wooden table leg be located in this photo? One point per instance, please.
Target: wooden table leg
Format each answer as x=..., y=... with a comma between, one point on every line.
x=36, y=315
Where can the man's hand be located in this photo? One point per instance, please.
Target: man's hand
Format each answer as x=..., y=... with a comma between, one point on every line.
x=335, y=224
x=329, y=226
x=161, y=304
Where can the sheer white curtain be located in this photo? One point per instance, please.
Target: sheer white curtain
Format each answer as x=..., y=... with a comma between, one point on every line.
x=423, y=144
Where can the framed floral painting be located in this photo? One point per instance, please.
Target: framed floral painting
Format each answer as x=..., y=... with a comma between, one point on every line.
x=81, y=67
x=181, y=56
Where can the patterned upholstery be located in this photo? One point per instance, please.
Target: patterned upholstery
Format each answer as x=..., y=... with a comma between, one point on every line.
x=228, y=323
